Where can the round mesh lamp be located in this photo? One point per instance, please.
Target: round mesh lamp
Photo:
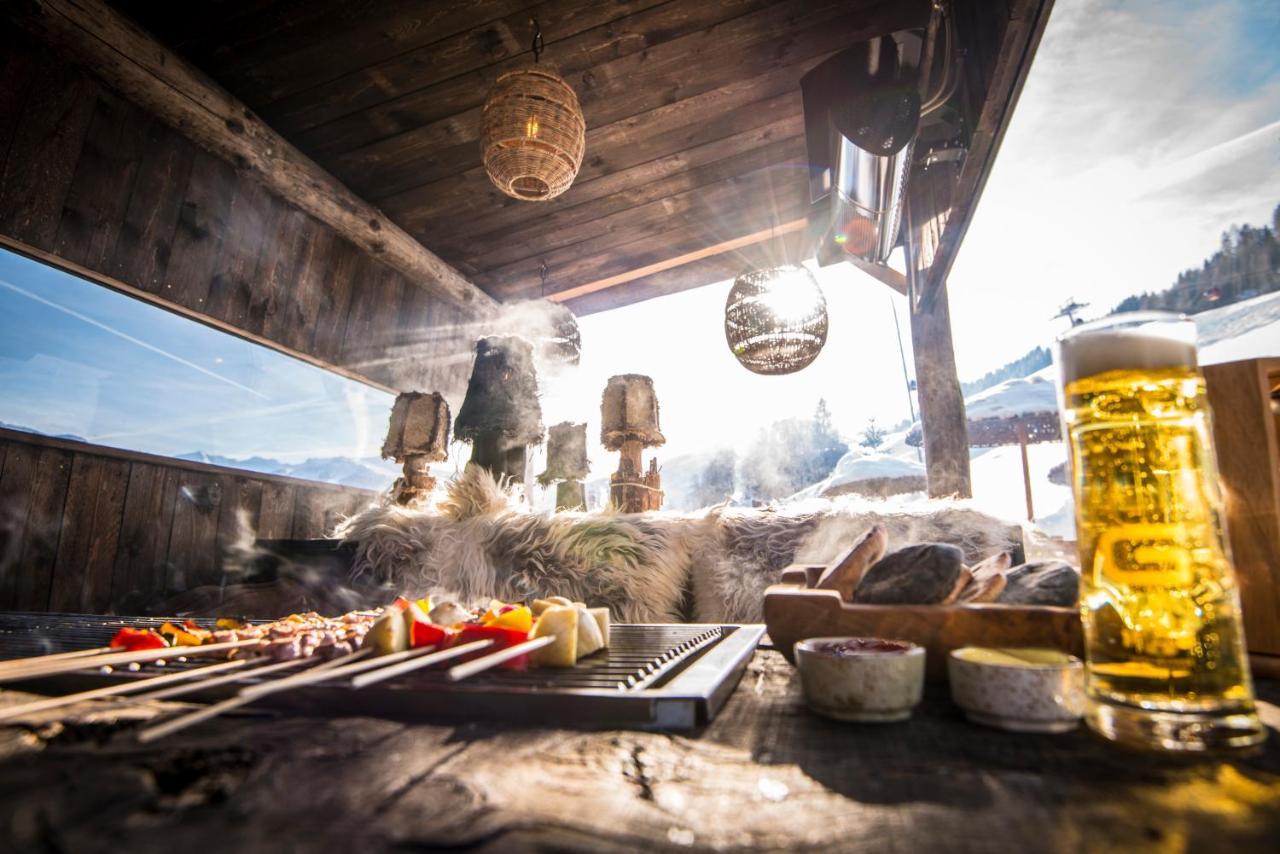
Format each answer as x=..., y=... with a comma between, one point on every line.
x=775, y=320
x=532, y=134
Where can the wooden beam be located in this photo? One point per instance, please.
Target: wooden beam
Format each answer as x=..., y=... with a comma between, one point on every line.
x=162, y=83
x=882, y=273
x=678, y=261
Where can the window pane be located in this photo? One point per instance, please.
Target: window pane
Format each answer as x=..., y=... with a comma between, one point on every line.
x=82, y=361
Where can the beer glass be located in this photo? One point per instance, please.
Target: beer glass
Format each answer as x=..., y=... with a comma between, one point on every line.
x=1166, y=662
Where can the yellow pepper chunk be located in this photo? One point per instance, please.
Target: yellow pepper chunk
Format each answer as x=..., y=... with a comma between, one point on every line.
x=518, y=617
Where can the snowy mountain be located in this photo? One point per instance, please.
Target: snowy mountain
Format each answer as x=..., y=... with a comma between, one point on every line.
x=364, y=473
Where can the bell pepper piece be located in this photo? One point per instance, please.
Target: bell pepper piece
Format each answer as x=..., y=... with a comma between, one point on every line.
x=138, y=639
x=502, y=638
x=516, y=617
x=180, y=635
x=428, y=634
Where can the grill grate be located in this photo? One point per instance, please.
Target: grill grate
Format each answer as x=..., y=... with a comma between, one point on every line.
x=647, y=676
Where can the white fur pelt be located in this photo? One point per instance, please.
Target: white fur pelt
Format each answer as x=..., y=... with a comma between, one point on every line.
x=710, y=566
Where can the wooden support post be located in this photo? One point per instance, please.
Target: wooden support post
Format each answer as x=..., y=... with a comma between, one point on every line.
x=942, y=416
x=1026, y=470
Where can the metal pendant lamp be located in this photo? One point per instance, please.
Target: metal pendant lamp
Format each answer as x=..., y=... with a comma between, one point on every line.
x=532, y=132
x=775, y=320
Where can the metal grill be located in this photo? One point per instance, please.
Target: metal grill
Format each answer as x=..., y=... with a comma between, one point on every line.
x=661, y=676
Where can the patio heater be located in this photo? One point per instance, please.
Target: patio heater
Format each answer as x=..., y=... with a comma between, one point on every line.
x=862, y=110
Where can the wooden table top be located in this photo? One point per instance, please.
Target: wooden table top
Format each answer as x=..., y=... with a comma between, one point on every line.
x=765, y=774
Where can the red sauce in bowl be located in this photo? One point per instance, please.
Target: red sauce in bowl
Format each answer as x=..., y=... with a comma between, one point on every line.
x=860, y=646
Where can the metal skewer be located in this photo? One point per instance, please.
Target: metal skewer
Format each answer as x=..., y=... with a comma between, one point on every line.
x=122, y=688
x=66, y=665
x=418, y=663
x=493, y=659
x=23, y=663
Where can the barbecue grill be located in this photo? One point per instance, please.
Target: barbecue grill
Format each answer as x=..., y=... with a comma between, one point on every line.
x=652, y=676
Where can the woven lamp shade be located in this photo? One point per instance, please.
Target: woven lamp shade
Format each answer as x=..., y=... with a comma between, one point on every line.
x=775, y=320
x=532, y=134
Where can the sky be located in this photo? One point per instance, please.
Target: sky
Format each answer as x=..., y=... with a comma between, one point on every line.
x=1145, y=128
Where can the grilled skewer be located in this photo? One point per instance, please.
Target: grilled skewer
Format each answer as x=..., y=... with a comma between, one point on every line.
x=123, y=688
x=40, y=668
x=418, y=663
x=23, y=663
x=493, y=659
x=183, y=721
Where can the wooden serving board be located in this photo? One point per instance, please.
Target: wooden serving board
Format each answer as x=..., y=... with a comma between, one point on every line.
x=793, y=612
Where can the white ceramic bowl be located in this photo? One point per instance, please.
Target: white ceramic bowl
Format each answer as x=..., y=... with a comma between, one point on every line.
x=1024, y=690
x=869, y=680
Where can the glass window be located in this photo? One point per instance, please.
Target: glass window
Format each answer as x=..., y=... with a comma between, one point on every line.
x=81, y=361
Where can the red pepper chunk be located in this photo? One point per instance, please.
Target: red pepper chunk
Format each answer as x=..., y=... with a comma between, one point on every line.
x=138, y=639
x=427, y=634
x=502, y=638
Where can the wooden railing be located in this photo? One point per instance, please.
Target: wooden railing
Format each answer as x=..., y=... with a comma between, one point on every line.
x=95, y=529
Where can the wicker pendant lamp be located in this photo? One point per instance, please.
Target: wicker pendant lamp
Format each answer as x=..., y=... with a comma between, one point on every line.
x=532, y=133
x=775, y=320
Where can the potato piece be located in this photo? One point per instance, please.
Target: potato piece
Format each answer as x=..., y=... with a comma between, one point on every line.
x=601, y=616
x=388, y=633
x=540, y=605
x=562, y=622
x=589, y=637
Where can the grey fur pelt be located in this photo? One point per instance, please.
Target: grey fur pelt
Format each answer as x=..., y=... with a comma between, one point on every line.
x=709, y=566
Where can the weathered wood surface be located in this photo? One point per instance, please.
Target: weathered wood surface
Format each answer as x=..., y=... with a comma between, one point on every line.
x=91, y=182
x=765, y=775
x=164, y=84
x=1247, y=436
x=684, y=101
x=92, y=529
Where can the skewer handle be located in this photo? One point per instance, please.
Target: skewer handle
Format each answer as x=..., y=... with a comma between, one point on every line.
x=417, y=663
x=30, y=661
x=244, y=698
x=493, y=659
x=40, y=668
x=119, y=688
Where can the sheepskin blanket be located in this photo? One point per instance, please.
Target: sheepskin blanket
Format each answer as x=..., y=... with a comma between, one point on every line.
x=711, y=566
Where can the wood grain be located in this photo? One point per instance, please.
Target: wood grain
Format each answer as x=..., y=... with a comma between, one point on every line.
x=140, y=68
x=1248, y=445
x=765, y=775
x=95, y=529
x=135, y=206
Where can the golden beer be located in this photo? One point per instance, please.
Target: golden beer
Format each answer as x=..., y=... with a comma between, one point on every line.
x=1167, y=665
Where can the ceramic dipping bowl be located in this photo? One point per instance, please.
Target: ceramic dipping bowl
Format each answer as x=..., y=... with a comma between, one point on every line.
x=869, y=680
x=1023, y=690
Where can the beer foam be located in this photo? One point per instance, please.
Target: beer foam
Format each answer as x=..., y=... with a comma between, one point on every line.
x=1094, y=349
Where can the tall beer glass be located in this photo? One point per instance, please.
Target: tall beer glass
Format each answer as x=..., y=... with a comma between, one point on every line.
x=1166, y=666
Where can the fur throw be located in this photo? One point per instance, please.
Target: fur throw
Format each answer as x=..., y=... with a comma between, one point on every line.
x=711, y=566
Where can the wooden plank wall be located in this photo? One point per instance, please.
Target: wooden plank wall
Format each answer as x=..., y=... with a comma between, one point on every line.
x=92, y=529
x=90, y=178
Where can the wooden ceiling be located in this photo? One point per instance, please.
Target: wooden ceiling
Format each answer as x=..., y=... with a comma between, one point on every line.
x=694, y=140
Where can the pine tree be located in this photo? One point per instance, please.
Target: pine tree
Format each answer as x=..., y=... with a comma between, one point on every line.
x=873, y=436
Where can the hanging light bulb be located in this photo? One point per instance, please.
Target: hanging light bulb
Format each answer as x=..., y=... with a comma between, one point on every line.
x=532, y=132
x=775, y=320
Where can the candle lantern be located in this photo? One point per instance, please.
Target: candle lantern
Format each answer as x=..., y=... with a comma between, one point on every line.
x=417, y=436
x=501, y=416
x=629, y=424
x=567, y=465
